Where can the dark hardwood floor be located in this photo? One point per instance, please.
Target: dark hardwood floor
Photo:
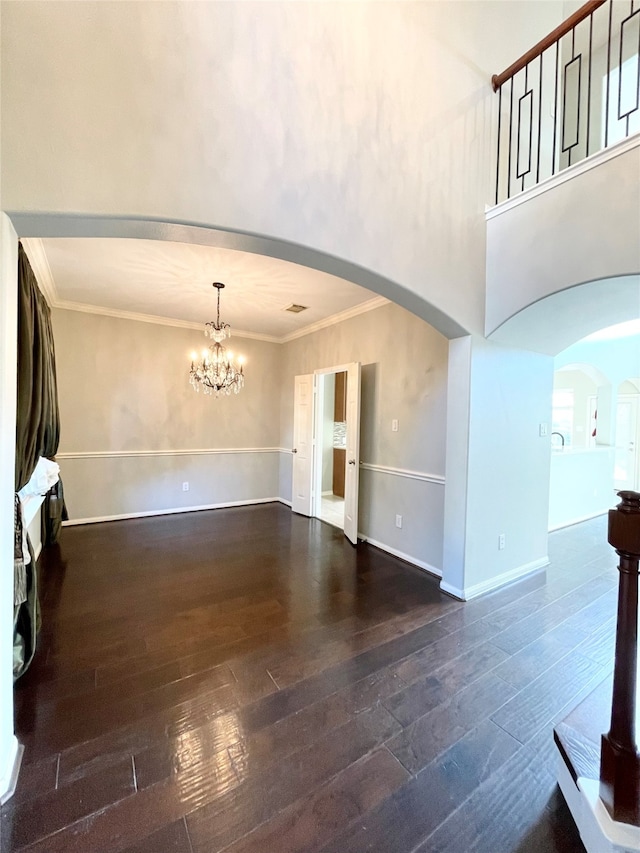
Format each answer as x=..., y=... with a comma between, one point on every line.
x=245, y=680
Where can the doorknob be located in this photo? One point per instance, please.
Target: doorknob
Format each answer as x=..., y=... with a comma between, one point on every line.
x=352, y=462
x=294, y=450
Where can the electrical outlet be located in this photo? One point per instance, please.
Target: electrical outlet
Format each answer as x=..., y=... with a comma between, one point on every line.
x=543, y=430
x=185, y=487
x=394, y=425
x=398, y=521
x=501, y=542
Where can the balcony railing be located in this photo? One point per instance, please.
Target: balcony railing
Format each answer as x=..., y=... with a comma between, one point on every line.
x=573, y=94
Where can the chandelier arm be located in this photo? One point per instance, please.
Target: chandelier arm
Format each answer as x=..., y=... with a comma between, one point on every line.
x=216, y=372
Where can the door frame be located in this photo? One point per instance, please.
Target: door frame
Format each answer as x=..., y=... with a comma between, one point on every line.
x=316, y=482
x=634, y=399
x=303, y=437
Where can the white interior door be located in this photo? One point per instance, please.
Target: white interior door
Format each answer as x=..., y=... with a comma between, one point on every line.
x=352, y=473
x=303, y=413
x=626, y=459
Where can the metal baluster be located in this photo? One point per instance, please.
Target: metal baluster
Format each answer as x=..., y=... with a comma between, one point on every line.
x=606, y=122
x=555, y=114
x=498, y=153
x=539, y=121
x=589, y=83
x=526, y=86
x=510, y=135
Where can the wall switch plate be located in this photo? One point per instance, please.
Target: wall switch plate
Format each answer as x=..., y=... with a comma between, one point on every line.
x=501, y=542
x=394, y=425
x=543, y=430
x=185, y=487
x=398, y=521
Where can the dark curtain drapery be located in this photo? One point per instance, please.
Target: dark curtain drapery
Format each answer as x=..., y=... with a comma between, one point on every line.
x=37, y=416
x=37, y=434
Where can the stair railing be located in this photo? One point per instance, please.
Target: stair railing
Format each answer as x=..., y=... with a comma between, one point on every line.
x=574, y=93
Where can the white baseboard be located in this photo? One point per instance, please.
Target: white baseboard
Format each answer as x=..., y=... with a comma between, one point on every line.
x=598, y=832
x=493, y=583
x=9, y=778
x=453, y=591
x=579, y=520
x=406, y=557
x=174, y=511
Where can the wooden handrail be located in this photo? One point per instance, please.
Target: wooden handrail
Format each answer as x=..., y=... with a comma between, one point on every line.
x=565, y=27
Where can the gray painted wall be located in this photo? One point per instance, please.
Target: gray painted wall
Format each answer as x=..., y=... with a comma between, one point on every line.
x=124, y=389
x=129, y=417
x=404, y=376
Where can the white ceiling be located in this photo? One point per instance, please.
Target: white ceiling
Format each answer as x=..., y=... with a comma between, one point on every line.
x=171, y=282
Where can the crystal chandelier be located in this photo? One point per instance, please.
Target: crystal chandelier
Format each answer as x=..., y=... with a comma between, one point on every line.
x=217, y=371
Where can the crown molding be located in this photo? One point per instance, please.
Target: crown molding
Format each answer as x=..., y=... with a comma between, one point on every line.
x=362, y=308
x=34, y=248
x=153, y=318
x=85, y=308
x=36, y=253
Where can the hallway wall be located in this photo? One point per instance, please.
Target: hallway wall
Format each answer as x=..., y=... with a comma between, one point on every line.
x=404, y=376
x=129, y=419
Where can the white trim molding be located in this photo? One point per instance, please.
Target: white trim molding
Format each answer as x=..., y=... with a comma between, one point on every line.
x=598, y=832
x=206, y=451
x=494, y=583
x=565, y=175
x=72, y=522
x=9, y=778
x=420, y=564
x=36, y=252
x=582, y=518
x=362, y=308
x=34, y=247
x=404, y=472
x=119, y=314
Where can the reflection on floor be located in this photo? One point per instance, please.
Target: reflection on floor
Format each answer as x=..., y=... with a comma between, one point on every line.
x=246, y=680
x=332, y=510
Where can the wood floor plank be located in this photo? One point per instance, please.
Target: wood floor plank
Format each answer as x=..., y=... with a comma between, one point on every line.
x=536, y=704
x=425, y=694
x=172, y=838
x=425, y=801
x=525, y=632
x=273, y=787
x=245, y=680
x=525, y=807
x=434, y=732
x=307, y=824
x=24, y=823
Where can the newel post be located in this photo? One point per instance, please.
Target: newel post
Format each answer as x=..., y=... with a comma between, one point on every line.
x=619, y=757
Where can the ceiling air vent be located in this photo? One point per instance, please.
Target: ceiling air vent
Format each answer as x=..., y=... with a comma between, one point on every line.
x=296, y=309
